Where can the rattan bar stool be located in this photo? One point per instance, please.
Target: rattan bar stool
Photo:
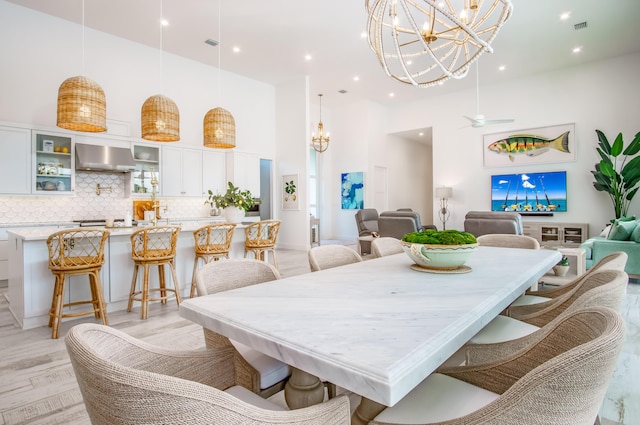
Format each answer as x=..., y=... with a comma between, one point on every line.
x=260, y=237
x=73, y=253
x=154, y=245
x=212, y=242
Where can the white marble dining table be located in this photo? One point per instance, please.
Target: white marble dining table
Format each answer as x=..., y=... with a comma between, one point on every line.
x=378, y=327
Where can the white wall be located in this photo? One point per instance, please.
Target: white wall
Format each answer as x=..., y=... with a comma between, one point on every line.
x=601, y=95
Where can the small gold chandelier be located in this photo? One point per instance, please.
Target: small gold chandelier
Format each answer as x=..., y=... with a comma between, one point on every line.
x=320, y=142
x=427, y=42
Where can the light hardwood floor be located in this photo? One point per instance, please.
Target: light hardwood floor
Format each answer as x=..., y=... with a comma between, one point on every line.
x=38, y=387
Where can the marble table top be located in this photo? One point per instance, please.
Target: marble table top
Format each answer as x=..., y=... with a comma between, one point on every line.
x=377, y=328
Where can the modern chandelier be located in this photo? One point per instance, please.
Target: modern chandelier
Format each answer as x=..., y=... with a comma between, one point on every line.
x=427, y=42
x=320, y=142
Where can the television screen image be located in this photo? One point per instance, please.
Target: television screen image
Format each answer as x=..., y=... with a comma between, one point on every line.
x=529, y=192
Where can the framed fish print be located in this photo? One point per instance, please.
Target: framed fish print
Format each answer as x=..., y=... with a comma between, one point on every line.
x=543, y=145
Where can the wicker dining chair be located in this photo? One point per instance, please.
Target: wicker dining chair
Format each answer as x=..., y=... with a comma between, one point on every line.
x=261, y=237
x=329, y=256
x=125, y=381
x=73, y=253
x=386, y=245
x=155, y=245
x=255, y=371
x=560, y=377
x=508, y=241
x=212, y=242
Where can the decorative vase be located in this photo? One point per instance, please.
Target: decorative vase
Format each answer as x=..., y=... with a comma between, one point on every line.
x=560, y=270
x=233, y=214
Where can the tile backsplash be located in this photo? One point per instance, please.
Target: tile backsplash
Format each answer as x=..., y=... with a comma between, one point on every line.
x=85, y=204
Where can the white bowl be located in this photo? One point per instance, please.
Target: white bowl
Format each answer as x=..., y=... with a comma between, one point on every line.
x=142, y=155
x=441, y=257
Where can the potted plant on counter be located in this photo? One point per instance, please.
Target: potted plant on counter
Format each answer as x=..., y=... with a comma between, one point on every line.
x=235, y=202
x=443, y=251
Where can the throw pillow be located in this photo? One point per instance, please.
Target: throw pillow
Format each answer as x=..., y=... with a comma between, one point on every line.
x=605, y=231
x=635, y=236
x=621, y=230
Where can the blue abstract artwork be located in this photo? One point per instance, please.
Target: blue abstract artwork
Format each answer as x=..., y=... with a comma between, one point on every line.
x=352, y=191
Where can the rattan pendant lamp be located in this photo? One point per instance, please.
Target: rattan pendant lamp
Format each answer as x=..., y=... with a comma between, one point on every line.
x=160, y=118
x=219, y=125
x=82, y=105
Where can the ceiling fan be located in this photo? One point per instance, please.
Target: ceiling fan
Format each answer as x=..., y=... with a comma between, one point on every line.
x=479, y=120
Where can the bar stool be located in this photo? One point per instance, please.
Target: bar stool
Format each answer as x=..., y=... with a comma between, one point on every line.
x=260, y=237
x=73, y=253
x=212, y=242
x=155, y=245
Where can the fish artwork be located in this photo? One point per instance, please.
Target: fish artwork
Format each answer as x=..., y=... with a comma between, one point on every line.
x=529, y=144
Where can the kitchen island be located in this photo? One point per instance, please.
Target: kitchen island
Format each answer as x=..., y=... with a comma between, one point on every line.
x=31, y=281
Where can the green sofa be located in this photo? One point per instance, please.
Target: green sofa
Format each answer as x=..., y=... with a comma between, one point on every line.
x=598, y=246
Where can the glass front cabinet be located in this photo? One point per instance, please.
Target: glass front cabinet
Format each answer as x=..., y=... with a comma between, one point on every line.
x=53, y=164
x=147, y=160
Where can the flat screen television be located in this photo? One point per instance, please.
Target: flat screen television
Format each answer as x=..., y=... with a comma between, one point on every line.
x=535, y=193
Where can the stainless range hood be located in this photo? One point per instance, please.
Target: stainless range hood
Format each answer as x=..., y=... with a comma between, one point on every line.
x=104, y=158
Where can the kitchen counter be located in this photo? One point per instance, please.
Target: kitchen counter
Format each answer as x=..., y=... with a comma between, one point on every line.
x=31, y=281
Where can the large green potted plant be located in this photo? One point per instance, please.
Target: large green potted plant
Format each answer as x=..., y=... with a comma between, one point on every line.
x=234, y=201
x=618, y=172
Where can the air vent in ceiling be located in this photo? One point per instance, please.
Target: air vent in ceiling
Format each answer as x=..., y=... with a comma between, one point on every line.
x=580, y=26
x=212, y=42
x=343, y=91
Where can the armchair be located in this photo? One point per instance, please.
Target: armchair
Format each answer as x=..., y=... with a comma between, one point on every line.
x=396, y=224
x=481, y=223
x=367, y=223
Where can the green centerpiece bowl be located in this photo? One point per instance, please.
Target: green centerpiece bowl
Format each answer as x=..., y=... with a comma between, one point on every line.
x=439, y=250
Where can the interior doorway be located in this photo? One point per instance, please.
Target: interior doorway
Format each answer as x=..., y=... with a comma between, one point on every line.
x=265, y=189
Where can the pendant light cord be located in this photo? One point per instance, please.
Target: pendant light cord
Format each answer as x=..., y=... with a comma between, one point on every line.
x=219, y=49
x=82, y=38
x=161, y=52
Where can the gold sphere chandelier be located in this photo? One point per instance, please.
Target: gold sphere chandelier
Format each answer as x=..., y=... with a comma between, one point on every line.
x=427, y=42
x=320, y=142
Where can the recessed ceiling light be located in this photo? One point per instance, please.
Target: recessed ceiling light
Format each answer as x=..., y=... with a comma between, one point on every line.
x=565, y=15
x=236, y=49
x=409, y=62
x=391, y=94
x=307, y=57
x=421, y=134
x=164, y=22
x=363, y=34
x=577, y=49
x=356, y=78
x=502, y=68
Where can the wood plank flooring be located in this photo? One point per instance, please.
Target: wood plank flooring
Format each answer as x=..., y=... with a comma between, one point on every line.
x=38, y=386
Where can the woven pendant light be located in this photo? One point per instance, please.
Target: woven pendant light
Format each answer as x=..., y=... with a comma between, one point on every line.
x=219, y=129
x=160, y=119
x=82, y=105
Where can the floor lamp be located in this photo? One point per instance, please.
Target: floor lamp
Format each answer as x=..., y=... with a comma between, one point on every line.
x=443, y=193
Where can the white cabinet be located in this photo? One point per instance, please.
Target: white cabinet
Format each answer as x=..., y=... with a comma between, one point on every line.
x=15, y=161
x=53, y=165
x=181, y=172
x=147, y=160
x=214, y=177
x=243, y=169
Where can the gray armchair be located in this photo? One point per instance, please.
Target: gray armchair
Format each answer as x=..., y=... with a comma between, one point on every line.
x=367, y=222
x=396, y=224
x=481, y=223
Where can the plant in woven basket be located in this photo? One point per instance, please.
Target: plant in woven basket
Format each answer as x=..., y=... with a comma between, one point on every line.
x=233, y=197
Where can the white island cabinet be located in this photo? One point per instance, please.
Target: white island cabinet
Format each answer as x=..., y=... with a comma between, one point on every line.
x=31, y=281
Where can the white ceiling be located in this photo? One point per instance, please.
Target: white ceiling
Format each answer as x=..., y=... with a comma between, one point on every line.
x=275, y=35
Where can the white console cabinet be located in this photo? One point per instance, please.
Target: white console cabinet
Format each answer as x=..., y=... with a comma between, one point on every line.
x=557, y=234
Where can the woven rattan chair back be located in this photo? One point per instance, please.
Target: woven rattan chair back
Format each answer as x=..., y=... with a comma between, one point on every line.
x=71, y=253
x=212, y=242
x=386, y=246
x=329, y=256
x=220, y=276
x=509, y=241
x=261, y=237
x=126, y=381
x=154, y=245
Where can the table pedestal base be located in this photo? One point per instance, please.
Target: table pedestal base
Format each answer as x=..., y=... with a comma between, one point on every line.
x=366, y=411
x=303, y=389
